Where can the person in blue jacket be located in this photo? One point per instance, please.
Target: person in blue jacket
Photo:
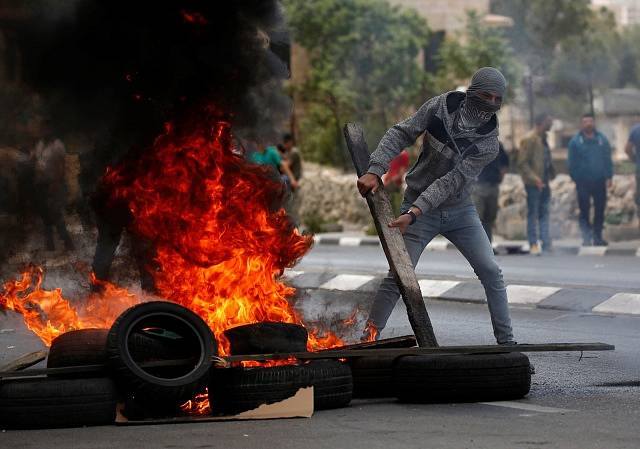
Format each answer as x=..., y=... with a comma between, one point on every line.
x=591, y=168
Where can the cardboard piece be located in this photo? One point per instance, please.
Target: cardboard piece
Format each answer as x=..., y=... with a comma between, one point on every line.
x=300, y=405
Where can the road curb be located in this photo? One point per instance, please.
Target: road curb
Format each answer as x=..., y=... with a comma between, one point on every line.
x=501, y=248
x=527, y=295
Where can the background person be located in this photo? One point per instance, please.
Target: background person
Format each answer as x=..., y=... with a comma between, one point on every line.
x=50, y=187
x=487, y=190
x=591, y=168
x=536, y=168
x=633, y=151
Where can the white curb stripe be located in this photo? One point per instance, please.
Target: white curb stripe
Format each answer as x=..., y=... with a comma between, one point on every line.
x=638, y=253
x=346, y=282
x=350, y=241
x=290, y=274
x=528, y=407
x=627, y=303
x=592, y=251
x=529, y=294
x=434, y=289
x=437, y=245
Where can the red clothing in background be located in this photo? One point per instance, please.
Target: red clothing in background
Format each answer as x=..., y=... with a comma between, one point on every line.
x=397, y=169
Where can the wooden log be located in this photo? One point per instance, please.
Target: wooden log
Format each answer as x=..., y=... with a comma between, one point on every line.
x=392, y=243
x=25, y=361
x=441, y=350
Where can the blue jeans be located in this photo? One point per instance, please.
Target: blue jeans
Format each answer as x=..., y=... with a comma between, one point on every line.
x=462, y=226
x=538, y=215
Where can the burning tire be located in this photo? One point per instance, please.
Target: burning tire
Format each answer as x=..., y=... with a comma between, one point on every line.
x=168, y=386
x=373, y=376
x=462, y=378
x=89, y=347
x=267, y=338
x=77, y=348
x=48, y=403
x=237, y=390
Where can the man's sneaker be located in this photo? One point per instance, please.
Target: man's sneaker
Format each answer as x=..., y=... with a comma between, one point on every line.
x=535, y=250
x=508, y=343
x=600, y=242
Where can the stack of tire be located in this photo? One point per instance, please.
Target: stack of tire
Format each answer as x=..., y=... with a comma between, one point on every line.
x=239, y=389
x=443, y=378
x=146, y=333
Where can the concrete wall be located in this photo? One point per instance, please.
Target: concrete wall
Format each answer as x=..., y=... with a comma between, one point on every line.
x=446, y=16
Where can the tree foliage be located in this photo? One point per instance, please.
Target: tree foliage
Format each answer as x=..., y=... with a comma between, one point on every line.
x=481, y=46
x=571, y=51
x=363, y=58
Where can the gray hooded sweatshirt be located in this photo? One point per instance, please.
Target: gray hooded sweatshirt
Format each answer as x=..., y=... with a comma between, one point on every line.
x=445, y=171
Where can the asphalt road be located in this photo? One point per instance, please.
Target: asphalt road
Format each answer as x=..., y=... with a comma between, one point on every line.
x=619, y=272
x=577, y=402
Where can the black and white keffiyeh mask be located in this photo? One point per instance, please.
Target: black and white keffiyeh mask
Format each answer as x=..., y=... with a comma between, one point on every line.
x=476, y=110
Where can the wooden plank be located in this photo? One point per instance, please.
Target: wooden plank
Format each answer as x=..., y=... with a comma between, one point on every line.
x=340, y=354
x=392, y=243
x=25, y=361
x=398, y=352
x=406, y=341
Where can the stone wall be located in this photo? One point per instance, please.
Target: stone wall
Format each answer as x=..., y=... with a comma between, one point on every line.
x=332, y=195
x=511, y=221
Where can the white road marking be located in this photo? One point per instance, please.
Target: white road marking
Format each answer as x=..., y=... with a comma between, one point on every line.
x=290, y=274
x=350, y=241
x=346, y=282
x=592, y=251
x=529, y=294
x=628, y=303
x=528, y=407
x=434, y=289
x=437, y=245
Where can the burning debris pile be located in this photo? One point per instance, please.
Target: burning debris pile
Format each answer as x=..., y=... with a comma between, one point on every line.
x=166, y=99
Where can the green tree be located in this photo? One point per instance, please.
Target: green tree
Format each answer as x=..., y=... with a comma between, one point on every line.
x=363, y=57
x=587, y=61
x=481, y=46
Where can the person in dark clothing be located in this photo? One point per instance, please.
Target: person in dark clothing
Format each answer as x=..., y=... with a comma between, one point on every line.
x=632, y=148
x=591, y=168
x=49, y=185
x=486, y=191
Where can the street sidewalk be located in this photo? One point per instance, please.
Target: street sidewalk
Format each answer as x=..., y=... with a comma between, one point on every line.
x=560, y=246
x=586, y=300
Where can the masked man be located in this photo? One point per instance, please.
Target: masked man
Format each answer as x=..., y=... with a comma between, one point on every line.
x=460, y=138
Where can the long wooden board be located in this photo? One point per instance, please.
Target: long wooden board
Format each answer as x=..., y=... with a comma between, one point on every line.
x=25, y=361
x=399, y=352
x=392, y=242
x=340, y=354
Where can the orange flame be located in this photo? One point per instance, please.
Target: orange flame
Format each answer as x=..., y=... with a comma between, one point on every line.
x=370, y=332
x=48, y=314
x=221, y=238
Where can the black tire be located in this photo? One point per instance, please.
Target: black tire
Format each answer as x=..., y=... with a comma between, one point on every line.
x=78, y=348
x=373, y=376
x=267, y=338
x=462, y=378
x=236, y=390
x=48, y=403
x=89, y=347
x=161, y=387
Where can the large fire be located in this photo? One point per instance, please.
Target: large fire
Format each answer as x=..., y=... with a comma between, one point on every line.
x=221, y=240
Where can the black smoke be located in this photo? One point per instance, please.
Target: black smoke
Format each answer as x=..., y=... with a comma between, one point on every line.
x=116, y=70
